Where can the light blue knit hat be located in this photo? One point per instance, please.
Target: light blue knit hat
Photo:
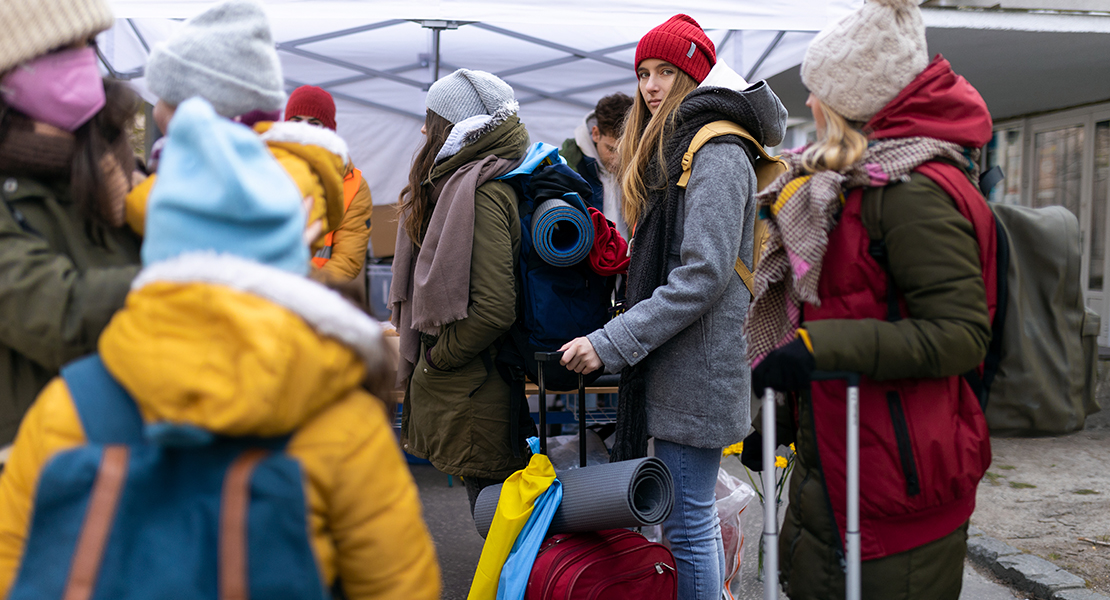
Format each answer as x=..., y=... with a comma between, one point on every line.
x=220, y=190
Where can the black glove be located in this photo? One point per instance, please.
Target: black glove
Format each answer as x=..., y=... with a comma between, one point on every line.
x=786, y=369
x=752, y=454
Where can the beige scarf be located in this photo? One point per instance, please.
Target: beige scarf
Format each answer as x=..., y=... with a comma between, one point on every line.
x=431, y=282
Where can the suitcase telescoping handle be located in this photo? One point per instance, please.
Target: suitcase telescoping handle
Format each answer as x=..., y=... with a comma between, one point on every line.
x=770, y=510
x=541, y=361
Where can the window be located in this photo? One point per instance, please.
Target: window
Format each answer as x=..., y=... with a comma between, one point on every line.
x=1058, y=168
x=1004, y=150
x=1101, y=197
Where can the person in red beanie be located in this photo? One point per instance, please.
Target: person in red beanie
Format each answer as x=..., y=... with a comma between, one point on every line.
x=683, y=330
x=344, y=251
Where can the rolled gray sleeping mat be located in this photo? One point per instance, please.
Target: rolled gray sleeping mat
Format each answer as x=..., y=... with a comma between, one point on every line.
x=632, y=493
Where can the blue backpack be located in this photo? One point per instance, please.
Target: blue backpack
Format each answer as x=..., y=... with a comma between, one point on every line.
x=561, y=296
x=125, y=517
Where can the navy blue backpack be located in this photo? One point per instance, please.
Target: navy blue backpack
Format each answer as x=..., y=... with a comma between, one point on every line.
x=562, y=297
x=123, y=517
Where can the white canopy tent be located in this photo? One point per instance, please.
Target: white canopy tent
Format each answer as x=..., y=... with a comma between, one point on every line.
x=377, y=58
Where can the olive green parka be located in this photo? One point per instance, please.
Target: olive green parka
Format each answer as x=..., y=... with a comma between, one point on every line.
x=456, y=413
x=61, y=280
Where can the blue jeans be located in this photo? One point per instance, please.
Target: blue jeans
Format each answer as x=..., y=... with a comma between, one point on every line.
x=693, y=528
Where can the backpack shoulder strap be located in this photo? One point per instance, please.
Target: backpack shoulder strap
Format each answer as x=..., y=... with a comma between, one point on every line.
x=108, y=413
x=723, y=127
x=759, y=235
x=766, y=167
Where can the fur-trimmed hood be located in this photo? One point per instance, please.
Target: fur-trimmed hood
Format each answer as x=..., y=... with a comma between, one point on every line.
x=468, y=131
x=235, y=347
x=508, y=139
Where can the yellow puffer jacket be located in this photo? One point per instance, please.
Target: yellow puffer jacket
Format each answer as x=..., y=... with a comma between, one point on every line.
x=315, y=157
x=241, y=349
x=344, y=251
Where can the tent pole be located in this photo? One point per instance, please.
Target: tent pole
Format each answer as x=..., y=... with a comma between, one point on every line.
x=435, y=53
x=763, y=57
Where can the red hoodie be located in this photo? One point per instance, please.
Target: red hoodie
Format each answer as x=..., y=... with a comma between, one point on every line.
x=923, y=442
x=938, y=104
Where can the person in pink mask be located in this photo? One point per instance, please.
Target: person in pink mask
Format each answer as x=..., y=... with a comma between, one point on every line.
x=66, y=261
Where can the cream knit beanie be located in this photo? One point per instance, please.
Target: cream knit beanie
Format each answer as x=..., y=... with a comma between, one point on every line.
x=225, y=55
x=34, y=27
x=859, y=64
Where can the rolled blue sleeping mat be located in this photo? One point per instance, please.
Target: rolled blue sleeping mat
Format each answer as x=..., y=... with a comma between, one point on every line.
x=562, y=233
x=631, y=493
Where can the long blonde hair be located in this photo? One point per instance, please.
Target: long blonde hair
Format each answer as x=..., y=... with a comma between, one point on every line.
x=841, y=145
x=644, y=133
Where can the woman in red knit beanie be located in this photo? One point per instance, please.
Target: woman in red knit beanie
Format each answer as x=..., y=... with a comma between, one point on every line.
x=679, y=347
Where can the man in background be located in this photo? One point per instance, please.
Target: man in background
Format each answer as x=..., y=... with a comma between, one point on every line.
x=592, y=153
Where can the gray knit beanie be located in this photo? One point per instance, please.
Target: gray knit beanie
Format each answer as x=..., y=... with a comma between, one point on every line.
x=225, y=55
x=859, y=64
x=465, y=93
x=34, y=27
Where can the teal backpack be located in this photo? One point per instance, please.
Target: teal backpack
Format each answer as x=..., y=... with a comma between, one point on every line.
x=188, y=516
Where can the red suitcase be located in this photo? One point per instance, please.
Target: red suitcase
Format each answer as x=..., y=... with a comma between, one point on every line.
x=603, y=565
x=613, y=564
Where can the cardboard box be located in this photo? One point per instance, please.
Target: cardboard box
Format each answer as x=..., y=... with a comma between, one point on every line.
x=383, y=232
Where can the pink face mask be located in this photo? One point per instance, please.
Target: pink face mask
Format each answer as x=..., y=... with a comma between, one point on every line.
x=62, y=89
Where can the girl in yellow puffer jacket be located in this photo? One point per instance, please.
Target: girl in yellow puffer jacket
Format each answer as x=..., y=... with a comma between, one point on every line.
x=223, y=333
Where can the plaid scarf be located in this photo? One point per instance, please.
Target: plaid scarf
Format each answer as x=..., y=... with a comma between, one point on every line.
x=802, y=208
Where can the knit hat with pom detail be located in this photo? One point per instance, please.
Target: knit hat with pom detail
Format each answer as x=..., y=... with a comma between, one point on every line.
x=34, y=27
x=860, y=63
x=681, y=42
x=311, y=101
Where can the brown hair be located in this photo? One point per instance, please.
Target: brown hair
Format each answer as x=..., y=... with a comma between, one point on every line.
x=103, y=136
x=839, y=146
x=611, y=112
x=414, y=198
x=644, y=133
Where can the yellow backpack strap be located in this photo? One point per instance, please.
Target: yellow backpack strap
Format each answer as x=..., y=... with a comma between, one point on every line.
x=760, y=233
x=746, y=276
x=767, y=168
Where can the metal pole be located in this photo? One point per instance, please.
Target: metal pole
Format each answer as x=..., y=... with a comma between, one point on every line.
x=852, y=537
x=581, y=421
x=770, y=510
x=541, y=363
x=435, y=53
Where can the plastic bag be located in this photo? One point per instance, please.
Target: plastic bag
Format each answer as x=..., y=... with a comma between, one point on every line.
x=733, y=496
x=563, y=451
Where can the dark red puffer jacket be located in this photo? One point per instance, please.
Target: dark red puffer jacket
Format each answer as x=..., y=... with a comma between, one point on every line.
x=924, y=444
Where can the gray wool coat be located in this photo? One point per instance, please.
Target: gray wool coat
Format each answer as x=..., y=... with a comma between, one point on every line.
x=689, y=332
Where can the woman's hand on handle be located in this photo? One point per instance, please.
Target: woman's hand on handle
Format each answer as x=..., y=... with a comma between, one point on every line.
x=579, y=356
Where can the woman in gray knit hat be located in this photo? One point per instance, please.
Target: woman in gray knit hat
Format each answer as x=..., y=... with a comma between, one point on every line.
x=454, y=292
x=66, y=164
x=880, y=261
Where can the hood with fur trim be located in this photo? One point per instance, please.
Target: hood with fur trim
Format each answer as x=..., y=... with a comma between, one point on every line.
x=237, y=348
x=468, y=131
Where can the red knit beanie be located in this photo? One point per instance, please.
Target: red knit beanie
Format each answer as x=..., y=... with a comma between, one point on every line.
x=311, y=101
x=681, y=42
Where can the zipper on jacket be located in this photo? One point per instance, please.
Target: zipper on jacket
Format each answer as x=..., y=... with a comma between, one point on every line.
x=905, y=447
